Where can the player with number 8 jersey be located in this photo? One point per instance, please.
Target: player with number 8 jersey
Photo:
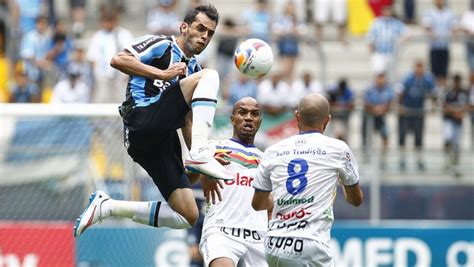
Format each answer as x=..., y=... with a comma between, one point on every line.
x=302, y=173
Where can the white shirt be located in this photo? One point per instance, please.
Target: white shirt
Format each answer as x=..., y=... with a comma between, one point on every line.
x=302, y=172
x=63, y=92
x=102, y=48
x=299, y=89
x=276, y=96
x=235, y=210
x=467, y=21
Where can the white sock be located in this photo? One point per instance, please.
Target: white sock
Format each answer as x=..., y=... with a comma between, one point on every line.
x=152, y=213
x=167, y=217
x=203, y=106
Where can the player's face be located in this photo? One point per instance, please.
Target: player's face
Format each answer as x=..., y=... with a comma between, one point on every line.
x=198, y=35
x=246, y=120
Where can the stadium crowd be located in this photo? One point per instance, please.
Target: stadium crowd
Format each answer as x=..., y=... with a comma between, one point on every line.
x=46, y=58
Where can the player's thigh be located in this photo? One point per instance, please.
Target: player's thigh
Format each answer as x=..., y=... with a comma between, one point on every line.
x=188, y=84
x=215, y=246
x=255, y=255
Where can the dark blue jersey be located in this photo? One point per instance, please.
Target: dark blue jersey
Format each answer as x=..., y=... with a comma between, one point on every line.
x=160, y=52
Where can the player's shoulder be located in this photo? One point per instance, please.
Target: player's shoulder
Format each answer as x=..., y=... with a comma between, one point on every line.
x=149, y=40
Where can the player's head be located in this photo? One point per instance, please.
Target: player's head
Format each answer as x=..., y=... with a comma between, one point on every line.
x=198, y=28
x=313, y=113
x=246, y=119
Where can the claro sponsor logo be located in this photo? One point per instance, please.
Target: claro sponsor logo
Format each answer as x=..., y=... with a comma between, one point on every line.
x=295, y=201
x=294, y=214
x=240, y=180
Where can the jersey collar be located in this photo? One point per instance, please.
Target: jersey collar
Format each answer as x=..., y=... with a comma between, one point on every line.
x=175, y=44
x=238, y=142
x=309, y=132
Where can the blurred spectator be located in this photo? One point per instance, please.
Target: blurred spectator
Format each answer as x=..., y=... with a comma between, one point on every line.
x=471, y=107
x=29, y=11
x=115, y=7
x=377, y=101
x=455, y=107
x=303, y=86
x=377, y=6
x=416, y=87
x=241, y=87
x=467, y=25
x=341, y=99
x=72, y=89
x=384, y=35
x=272, y=95
x=163, y=19
x=440, y=23
x=409, y=11
x=258, y=21
x=78, y=61
x=104, y=44
x=34, y=48
x=24, y=91
x=229, y=35
x=287, y=30
x=78, y=13
x=9, y=33
x=60, y=48
x=335, y=9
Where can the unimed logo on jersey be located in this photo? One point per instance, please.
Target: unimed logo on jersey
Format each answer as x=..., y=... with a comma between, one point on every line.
x=241, y=180
x=295, y=201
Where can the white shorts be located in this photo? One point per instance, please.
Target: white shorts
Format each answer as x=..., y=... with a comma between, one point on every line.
x=236, y=244
x=326, y=9
x=295, y=251
x=381, y=63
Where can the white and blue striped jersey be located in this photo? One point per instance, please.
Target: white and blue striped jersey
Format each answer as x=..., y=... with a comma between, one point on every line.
x=159, y=51
x=384, y=34
x=235, y=210
x=302, y=173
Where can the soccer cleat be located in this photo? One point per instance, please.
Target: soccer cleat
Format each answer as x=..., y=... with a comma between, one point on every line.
x=202, y=160
x=92, y=214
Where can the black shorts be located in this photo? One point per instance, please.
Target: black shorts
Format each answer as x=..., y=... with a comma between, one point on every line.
x=439, y=62
x=152, y=141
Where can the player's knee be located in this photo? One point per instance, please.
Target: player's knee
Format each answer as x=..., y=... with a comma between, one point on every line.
x=211, y=73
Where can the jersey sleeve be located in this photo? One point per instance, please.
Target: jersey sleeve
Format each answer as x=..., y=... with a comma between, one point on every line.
x=349, y=172
x=263, y=173
x=148, y=47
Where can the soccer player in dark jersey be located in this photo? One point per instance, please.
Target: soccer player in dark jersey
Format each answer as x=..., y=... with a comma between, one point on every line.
x=166, y=83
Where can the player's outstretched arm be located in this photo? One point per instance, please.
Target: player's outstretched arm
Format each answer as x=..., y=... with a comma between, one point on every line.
x=353, y=194
x=262, y=200
x=127, y=63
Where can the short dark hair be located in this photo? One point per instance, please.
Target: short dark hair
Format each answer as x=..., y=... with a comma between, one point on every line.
x=209, y=10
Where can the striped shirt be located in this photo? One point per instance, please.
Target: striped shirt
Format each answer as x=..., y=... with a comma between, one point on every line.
x=235, y=209
x=441, y=22
x=158, y=51
x=384, y=33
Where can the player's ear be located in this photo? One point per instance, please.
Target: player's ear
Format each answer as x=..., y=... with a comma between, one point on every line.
x=183, y=27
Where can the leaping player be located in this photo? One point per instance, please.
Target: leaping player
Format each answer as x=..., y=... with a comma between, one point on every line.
x=166, y=83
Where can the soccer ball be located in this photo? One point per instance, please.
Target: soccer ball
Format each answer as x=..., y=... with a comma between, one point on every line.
x=253, y=58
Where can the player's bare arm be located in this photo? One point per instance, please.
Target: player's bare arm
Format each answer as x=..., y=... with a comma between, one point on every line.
x=262, y=200
x=353, y=194
x=127, y=63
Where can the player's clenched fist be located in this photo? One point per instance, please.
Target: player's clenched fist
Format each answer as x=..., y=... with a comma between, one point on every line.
x=176, y=69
